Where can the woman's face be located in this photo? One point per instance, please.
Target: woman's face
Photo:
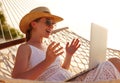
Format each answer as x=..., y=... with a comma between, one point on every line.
x=43, y=27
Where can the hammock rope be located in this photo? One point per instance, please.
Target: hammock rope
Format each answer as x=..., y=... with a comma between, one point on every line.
x=1, y=27
x=79, y=61
x=8, y=50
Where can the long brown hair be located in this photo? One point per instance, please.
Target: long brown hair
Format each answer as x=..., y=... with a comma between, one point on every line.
x=28, y=33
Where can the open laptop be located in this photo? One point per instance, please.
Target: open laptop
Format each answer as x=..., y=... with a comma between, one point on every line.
x=98, y=47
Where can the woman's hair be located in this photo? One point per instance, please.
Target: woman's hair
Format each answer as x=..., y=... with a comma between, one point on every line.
x=28, y=33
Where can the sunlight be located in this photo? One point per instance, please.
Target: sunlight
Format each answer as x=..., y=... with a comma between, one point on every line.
x=79, y=14
x=82, y=13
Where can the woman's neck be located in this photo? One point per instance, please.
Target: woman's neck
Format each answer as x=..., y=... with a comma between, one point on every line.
x=36, y=40
x=38, y=44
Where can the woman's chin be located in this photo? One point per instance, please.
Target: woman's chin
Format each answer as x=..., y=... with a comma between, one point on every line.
x=47, y=36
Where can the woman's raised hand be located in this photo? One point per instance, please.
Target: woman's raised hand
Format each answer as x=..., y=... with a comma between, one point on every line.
x=72, y=48
x=53, y=50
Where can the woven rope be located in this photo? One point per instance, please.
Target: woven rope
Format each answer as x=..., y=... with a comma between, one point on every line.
x=79, y=62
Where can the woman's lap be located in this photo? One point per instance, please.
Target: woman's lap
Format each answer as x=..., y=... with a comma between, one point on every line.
x=105, y=71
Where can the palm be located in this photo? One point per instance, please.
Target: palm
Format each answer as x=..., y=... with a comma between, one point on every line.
x=72, y=48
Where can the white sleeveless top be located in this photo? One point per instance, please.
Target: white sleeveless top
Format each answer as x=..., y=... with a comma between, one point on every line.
x=54, y=72
x=105, y=70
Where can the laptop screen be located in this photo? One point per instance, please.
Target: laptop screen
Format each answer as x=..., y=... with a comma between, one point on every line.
x=98, y=45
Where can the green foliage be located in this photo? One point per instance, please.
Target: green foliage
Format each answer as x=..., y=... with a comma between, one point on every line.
x=2, y=17
x=6, y=30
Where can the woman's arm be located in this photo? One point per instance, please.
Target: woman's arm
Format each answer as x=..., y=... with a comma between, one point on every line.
x=22, y=60
x=21, y=64
x=70, y=50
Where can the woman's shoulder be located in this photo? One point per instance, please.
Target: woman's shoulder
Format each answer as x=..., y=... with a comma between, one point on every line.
x=24, y=51
x=24, y=47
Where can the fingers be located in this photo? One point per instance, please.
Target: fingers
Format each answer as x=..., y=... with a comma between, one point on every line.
x=67, y=45
x=51, y=45
x=55, y=46
x=60, y=53
x=58, y=50
x=78, y=46
x=75, y=42
x=72, y=43
x=55, y=49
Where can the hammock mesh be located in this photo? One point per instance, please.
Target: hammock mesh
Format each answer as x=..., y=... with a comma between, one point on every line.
x=13, y=12
x=79, y=61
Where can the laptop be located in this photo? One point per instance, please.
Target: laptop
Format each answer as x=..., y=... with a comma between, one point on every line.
x=98, y=47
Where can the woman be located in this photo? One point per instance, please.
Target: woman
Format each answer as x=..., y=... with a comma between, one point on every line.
x=35, y=61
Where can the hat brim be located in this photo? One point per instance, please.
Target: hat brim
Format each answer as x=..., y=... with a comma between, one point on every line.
x=25, y=21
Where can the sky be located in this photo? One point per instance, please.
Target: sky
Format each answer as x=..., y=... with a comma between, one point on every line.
x=79, y=14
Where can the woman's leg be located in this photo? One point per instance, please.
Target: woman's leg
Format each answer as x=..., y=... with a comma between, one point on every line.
x=101, y=72
x=116, y=62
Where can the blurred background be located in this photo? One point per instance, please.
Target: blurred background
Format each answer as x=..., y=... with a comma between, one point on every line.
x=78, y=15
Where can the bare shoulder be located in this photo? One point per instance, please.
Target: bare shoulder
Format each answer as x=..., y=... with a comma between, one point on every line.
x=23, y=50
x=24, y=46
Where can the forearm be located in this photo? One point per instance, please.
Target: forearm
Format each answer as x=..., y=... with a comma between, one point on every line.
x=67, y=61
x=34, y=72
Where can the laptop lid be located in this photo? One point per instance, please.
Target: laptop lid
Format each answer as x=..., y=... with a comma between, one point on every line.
x=98, y=45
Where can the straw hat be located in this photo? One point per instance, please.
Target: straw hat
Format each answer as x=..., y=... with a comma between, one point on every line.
x=34, y=14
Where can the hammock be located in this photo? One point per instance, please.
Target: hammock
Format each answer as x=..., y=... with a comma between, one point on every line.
x=79, y=61
x=8, y=48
